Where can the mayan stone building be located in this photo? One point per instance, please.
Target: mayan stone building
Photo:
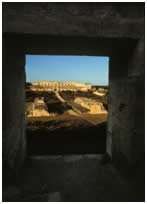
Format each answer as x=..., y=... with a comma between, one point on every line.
x=95, y=107
x=38, y=108
x=60, y=86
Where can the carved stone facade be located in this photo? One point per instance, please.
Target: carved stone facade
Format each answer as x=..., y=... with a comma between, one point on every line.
x=60, y=86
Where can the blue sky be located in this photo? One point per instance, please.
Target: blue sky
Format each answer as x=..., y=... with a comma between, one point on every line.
x=82, y=69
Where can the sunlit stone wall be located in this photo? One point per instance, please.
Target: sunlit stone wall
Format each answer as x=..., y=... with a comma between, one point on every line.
x=60, y=86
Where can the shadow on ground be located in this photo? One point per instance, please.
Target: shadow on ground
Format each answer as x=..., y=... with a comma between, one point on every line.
x=65, y=139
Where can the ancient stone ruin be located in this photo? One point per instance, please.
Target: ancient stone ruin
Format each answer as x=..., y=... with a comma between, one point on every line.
x=114, y=29
x=94, y=106
x=60, y=86
x=101, y=92
x=38, y=108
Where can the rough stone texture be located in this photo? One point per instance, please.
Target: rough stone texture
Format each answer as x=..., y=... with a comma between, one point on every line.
x=13, y=108
x=76, y=178
x=39, y=108
x=75, y=19
x=126, y=139
x=94, y=106
x=60, y=86
x=136, y=80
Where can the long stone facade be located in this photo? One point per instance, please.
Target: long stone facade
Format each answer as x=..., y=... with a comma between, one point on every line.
x=60, y=86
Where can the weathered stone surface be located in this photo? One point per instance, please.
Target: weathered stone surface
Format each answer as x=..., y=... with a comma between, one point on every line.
x=75, y=19
x=137, y=61
x=136, y=97
x=94, y=106
x=38, y=108
x=13, y=108
x=73, y=178
x=126, y=108
x=60, y=86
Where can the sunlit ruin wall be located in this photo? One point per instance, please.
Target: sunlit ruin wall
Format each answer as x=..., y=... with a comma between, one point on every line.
x=96, y=29
x=60, y=86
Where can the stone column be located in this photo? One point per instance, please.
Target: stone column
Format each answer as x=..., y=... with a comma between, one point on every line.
x=14, y=141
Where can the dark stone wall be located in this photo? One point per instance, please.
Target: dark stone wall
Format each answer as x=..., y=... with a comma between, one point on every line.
x=136, y=80
x=126, y=118
x=14, y=143
x=118, y=124
x=126, y=128
x=75, y=19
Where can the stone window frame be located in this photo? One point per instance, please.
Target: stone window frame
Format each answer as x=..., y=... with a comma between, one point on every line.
x=120, y=55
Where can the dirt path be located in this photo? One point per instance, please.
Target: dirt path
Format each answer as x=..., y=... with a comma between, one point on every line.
x=71, y=112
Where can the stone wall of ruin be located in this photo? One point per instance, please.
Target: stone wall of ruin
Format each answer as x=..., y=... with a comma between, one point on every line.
x=106, y=29
x=107, y=20
x=60, y=86
x=94, y=106
x=14, y=141
x=125, y=139
x=39, y=108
